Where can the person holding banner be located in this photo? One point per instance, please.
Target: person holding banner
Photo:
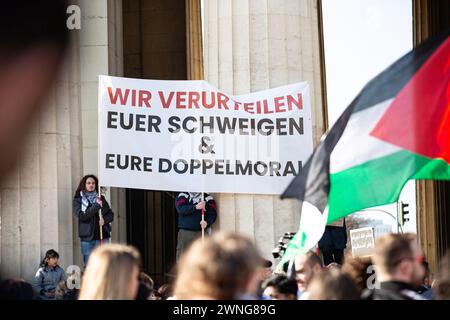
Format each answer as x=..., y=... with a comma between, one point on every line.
x=93, y=228
x=191, y=208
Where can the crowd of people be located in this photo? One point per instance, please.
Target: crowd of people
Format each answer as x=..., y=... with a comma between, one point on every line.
x=228, y=265
x=222, y=266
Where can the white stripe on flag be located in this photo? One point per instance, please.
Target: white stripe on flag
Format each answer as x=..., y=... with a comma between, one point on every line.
x=356, y=146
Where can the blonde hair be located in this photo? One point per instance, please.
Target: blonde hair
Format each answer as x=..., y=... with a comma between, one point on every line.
x=218, y=268
x=108, y=273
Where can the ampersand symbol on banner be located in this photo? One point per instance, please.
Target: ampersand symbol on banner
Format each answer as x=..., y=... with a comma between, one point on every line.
x=205, y=147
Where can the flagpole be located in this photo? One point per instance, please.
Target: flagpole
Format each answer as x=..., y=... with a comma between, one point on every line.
x=100, y=217
x=203, y=218
x=98, y=175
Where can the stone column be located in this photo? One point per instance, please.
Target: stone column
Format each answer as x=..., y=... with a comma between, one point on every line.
x=101, y=53
x=431, y=18
x=194, y=40
x=252, y=45
x=36, y=199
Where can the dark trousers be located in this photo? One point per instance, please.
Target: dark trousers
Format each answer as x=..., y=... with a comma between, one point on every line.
x=331, y=255
x=185, y=238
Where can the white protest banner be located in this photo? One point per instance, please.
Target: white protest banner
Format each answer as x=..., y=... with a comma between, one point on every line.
x=190, y=136
x=362, y=241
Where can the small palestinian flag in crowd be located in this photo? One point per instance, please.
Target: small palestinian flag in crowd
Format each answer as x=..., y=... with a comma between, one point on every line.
x=396, y=129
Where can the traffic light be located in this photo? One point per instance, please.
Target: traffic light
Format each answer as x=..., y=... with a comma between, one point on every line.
x=402, y=211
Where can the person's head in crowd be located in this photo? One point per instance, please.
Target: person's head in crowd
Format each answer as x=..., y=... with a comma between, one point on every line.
x=50, y=260
x=33, y=39
x=63, y=292
x=48, y=276
x=225, y=266
x=280, y=287
x=146, y=287
x=16, y=289
x=266, y=270
x=333, y=284
x=398, y=257
x=334, y=265
x=359, y=269
x=145, y=278
x=306, y=266
x=111, y=274
x=89, y=183
x=144, y=291
x=442, y=282
x=165, y=291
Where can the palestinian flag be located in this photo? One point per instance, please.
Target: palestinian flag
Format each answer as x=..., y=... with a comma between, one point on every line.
x=396, y=129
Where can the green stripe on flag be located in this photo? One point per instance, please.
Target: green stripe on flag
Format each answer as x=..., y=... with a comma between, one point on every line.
x=379, y=181
x=373, y=183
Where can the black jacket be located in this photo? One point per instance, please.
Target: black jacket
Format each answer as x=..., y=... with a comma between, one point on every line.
x=88, y=220
x=392, y=290
x=189, y=217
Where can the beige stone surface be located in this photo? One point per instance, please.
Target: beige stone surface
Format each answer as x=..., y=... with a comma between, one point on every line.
x=252, y=45
x=249, y=45
x=36, y=197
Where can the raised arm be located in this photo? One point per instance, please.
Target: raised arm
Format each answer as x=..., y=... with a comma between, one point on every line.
x=88, y=213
